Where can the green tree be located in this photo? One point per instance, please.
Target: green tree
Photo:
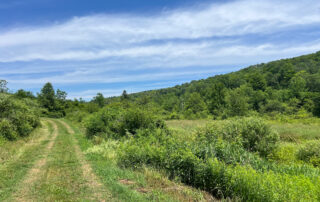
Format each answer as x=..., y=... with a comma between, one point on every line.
x=61, y=95
x=217, y=98
x=286, y=73
x=3, y=86
x=237, y=102
x=24, y=94
x=124, y=95
x=47, y=97
x=257, y=81
x=61, y=101
x=99, y=99
x=297, y=86
x=313, y=82
x=195, y=103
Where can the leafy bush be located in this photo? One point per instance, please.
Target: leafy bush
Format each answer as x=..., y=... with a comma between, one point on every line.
x=103, y=121
x=115, y=121
x=134, y=119
x=7, y=130
x=161, y=150
x=18, y=117
x=95, y=126
x=252, y=133
x=310, y=153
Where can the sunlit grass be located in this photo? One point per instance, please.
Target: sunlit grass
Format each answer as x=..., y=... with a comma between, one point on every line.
x=295, y=132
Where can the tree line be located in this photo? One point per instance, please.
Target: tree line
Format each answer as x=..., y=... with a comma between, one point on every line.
x=288, y=86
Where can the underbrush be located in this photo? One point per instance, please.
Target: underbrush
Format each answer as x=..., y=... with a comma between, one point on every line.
x=223, y=166
x=18, y=117
x=310, y=153
x=239, y=159
x=115, y=121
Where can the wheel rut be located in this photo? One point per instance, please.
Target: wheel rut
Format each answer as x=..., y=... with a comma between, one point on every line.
x=24, y=193
x=92, y=181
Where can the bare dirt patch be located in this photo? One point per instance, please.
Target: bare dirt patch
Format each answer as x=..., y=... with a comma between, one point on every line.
x=127, y=182
x=143, y=190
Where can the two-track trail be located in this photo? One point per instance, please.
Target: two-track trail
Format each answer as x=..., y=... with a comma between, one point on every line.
x=56, y=163
x=91, y=180
x=55, y=169
x=24, y=193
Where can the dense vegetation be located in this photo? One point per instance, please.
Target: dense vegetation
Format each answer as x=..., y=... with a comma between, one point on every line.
x=241, y=158
x=20, y=112
x=18, y=116
x=239, y=154
x=237, y=158
x=289, y=86
x=53, y=103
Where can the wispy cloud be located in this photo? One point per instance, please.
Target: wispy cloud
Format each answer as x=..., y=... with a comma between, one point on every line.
x=89, y=48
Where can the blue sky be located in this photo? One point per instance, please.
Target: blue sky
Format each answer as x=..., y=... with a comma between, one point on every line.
x=85, y=47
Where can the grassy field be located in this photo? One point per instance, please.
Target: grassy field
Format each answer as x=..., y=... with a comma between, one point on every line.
x=57, y=163
x=293, y=136
x=134, y=185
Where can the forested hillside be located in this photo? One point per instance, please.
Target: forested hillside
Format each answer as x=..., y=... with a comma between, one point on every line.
x=288, y=86
x=125, y=148
x=269, y=152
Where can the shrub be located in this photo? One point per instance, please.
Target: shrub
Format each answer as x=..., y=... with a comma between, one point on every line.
x=95, y=126
x=115, y=121
x=310, y=153
x=252, y=133
x=161, y=150
x=18, y=117
x=134, y=119
x=7, y=130
x=104, y=121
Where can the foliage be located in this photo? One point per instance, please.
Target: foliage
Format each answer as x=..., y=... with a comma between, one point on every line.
x=24, y=94
x=224, y=168
x=114, y=121
x=53, y=102
x=310, y=153
x=3, y=86
x=195, y=107
x=99, y=100
x=47, y=97
x=238, y=158
x=124, y=95
x=18, y=117
x=134, y=119
x=252, y=133
x=284, y=86
x=237, y=103
x=8, y=130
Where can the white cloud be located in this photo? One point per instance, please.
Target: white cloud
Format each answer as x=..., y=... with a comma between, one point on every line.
x=94, y=77
x=104, y=36
x=90, y=49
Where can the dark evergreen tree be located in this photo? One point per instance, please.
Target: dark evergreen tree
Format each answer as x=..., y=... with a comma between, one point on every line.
x=124, y=95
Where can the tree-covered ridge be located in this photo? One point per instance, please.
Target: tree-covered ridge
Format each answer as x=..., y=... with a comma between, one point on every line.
x=288, y=86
